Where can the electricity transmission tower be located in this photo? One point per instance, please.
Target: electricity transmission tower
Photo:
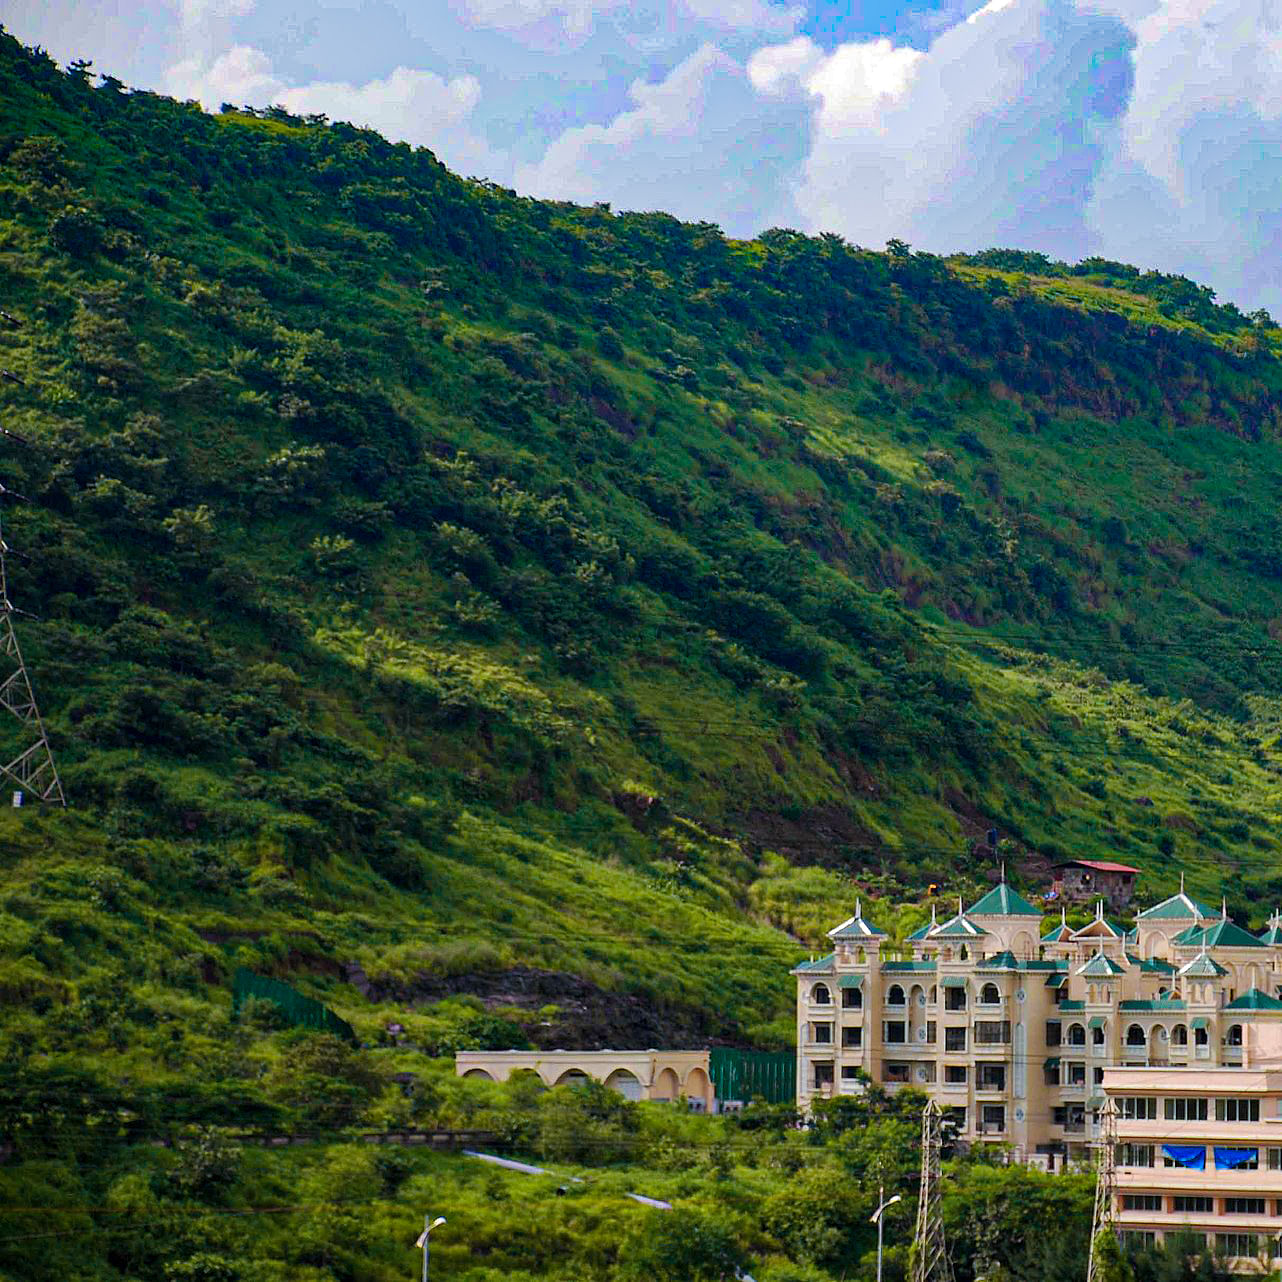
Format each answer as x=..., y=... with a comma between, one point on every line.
x=930, y=1254
x=1105, y=1184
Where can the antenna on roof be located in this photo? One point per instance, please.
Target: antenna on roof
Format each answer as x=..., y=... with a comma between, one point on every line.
x=1224, y=907
x=859, y=907
x=1099, y=910
x=1063, y=915
x=1003, y=872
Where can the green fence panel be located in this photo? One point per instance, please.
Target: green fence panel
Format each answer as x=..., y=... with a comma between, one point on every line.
x=296, y=1008
x=745, y=1075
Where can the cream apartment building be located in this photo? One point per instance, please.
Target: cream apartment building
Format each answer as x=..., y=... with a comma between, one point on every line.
x=1012, y=1031
x=1202, y=1152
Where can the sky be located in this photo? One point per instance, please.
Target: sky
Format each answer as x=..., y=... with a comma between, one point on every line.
x=1148, y=131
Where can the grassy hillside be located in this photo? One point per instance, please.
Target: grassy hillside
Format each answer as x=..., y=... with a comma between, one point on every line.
x=559, y=613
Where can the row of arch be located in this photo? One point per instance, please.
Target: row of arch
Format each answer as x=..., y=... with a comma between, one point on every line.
x=665, y=1086
x=821, y=995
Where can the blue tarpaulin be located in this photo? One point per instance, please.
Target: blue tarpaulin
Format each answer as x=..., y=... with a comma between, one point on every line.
x=1226, y=1159
x=1192, y=1156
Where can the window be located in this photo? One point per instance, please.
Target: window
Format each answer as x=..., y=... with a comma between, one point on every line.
x=1184, y=1108
x=823, y=1074
x=1072, y=1117
x=852, y=999
x=1237, y=1110
x=1233, y=1037
x=1077, y=1074
x=1097, y=1076
x=956, y=1074
x=821, y=1033
x=1135, y=1154
x=1201, y=1037
x=929, y=1039
x=895, y=1073
x=994, y=1119
x=1192, y=1204
x=954, y=1039
x=1138, y=1108
x=895, y=996
x=1097, y=1035
x=1275, y=1159
x=1141, y=1202
x=1076, y=1035
x=1054, y=1032
x=1244, y=1206
x=992, y=1077
x=894, y=1032
x=1137, y=1239
x=1135, y=1036
x=1241, y=1245
x=954, y=998
x=820, y=995
x=992, y=1032
x=989, y=996
x=1179, y=1035
x=849, y=1073
x=852, y=1038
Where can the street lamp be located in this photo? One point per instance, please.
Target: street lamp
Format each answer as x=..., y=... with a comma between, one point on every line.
x=425, y=1235
x=877, y=1220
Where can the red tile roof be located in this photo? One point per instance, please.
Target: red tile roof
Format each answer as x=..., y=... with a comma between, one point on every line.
x=1100, y=865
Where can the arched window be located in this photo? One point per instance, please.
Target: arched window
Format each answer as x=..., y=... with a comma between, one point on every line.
x=989, y=996
x=1076, y=1035
x=894, y=995
x=1179, y=1035
x=1233, y=1037
x=964, y=955
x=1135, y=1036
x=820, y=995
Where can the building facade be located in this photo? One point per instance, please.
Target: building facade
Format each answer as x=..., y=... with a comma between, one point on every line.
x=1081, y=880
x=1201, y=1152
x=1012, y=1030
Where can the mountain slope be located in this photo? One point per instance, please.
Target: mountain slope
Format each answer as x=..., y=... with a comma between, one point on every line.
x=450, y=582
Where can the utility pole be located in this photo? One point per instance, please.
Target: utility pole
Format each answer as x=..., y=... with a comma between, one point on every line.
x=930, y=1252
x=33, y=769
x=1105, y=1185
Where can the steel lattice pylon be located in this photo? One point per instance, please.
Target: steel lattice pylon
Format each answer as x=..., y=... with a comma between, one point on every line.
x=930, y=1253
x=1105, y=1184
x=33, y=769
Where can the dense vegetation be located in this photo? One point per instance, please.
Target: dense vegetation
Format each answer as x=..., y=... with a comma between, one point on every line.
x=522, y=621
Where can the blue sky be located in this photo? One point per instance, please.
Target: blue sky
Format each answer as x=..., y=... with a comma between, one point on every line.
x=1146, y=130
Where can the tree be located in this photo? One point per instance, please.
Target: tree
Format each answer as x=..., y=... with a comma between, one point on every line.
x=681, y=1246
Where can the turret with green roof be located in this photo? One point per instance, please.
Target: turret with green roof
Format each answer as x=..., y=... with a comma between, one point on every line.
x=1003, y=901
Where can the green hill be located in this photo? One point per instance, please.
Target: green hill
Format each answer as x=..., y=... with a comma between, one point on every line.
x=566, y=607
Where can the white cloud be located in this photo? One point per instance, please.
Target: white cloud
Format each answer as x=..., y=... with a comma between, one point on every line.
x=700, y=144
x=577, y=18
x=408, y=105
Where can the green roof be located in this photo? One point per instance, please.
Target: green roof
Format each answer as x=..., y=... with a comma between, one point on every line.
x=851, y=981
x=1178, y=907
x=1101, y=967
x=1253, y=999
x=1062, y=931
x=921, y=932
x=1157, y=1003
x=856, y=927
x=1096, y=1021
x=1273, y=934
x=1203, y=966
x=1057, y=980
x=1003, y=901
x=959, y=925
x=1153, y=966
x=823, y=963
x=1071, y=1008
x=908, y=965
x=999, y=961
x=954, y=981
x=1228, y=934
x=1051, y=1061
x=1200, y=1022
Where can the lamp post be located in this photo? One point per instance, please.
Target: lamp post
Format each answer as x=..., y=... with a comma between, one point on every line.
x=876, y=1219
x=428, y=1226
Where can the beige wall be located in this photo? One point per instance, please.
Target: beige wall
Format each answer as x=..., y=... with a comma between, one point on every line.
x=657, y=1074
